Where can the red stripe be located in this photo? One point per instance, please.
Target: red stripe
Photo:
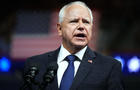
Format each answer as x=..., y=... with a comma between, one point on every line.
x=25, y=46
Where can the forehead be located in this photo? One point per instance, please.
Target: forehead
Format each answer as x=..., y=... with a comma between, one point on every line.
x=77, y=11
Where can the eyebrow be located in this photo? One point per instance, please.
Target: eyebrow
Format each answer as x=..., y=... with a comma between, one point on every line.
x=78, y=19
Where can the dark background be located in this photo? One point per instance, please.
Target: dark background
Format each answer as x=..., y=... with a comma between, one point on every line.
x=118, y=32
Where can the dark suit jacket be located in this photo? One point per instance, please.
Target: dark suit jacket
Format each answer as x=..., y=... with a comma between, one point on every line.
x=102, y=73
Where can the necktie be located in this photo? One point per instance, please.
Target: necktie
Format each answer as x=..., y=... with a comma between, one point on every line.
x=68, y=74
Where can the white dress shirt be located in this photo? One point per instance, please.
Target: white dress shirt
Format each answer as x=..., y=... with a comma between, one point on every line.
x=62, y=64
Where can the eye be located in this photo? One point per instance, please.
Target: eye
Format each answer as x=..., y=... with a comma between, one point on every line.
x=86, y=21
x=73, y=21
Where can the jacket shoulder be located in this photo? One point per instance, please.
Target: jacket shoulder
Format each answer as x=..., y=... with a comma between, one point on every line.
x=41, y=59
x=44, y=55
x=106, y=59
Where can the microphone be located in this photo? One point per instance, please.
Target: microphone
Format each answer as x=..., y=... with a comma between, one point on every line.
x=49, y=75
x=29, y=77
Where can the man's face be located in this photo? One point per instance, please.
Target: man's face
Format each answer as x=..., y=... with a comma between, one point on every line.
x=76, y=27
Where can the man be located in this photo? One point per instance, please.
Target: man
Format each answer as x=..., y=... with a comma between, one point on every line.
x=90, y=70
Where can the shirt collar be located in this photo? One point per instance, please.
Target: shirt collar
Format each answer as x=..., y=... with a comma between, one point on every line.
x=81, y=53
x=63, y=53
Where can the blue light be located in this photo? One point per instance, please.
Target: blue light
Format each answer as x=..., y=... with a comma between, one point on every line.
x=4, y=64
x=133, y=64
x=121, y=60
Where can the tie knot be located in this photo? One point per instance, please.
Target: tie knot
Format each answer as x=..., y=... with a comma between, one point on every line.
x=71, y=58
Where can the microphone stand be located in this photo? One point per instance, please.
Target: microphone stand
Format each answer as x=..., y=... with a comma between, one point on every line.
x=42, y=86
x=26, y=85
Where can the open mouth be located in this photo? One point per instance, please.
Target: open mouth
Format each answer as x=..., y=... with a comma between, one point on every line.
x=80, y=35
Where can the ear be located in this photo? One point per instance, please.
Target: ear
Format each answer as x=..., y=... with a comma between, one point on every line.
x=59, y=29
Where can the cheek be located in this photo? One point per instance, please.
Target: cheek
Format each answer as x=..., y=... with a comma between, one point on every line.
x=89, y=36
x=89, y=33
x=69, y=30
x=89, y=30
x=66, y=33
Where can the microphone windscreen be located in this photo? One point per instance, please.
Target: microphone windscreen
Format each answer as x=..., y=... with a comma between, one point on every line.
x=37, y=65
x=50, y=72
x=31, y=72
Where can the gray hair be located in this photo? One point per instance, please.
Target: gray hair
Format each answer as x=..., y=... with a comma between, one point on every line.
x=62, y=10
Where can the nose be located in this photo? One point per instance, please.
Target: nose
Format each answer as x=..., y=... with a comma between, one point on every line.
x=81, y=26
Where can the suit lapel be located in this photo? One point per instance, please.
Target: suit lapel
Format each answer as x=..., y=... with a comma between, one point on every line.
x=52, y=57
x=84, y=68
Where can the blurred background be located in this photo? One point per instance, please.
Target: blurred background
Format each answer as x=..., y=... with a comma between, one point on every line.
x=28, y=27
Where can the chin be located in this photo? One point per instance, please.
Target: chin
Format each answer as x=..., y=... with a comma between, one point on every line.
x=80, y=46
